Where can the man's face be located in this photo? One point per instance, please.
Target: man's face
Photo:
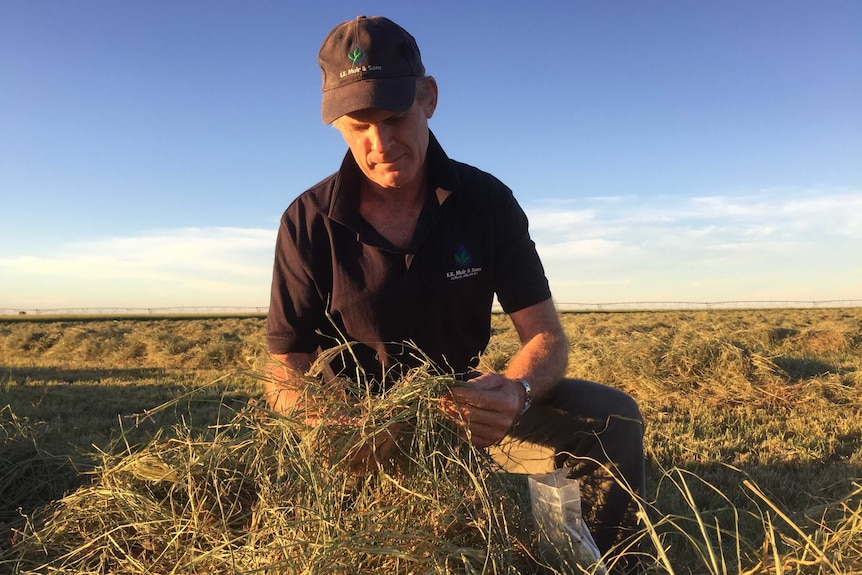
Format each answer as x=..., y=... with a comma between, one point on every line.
x=389, y=147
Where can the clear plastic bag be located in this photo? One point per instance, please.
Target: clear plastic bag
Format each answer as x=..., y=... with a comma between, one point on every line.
x=564, y=541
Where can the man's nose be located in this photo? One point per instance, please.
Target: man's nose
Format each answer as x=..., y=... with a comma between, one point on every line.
x=380, y=136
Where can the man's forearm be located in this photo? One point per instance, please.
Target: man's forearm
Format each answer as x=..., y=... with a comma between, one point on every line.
x=541, y=361
x=544, y=352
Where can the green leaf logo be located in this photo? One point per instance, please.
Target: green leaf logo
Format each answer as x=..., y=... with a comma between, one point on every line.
x=462, y=257
x=356, y=55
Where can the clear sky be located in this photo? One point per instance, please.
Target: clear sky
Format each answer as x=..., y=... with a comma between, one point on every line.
x=663, y=151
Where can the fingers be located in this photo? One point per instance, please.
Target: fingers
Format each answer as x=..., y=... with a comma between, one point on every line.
x=484, y=410
x=482, y=435
x=374, y=450
x=494, y=397
x=480, y=428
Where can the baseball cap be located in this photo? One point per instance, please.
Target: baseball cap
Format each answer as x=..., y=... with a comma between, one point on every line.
x=368, y=63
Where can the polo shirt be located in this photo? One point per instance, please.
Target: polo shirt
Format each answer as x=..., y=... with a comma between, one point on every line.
x=335, y=279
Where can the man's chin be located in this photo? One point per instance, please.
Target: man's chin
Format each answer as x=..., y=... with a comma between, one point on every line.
x=393, y=180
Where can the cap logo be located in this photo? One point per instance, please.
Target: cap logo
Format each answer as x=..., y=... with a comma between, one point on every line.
x=355, y=55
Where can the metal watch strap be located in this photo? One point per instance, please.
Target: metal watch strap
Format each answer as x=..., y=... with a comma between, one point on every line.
x=528, y=397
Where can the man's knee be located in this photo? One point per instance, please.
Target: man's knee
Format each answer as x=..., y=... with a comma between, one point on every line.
x=599, y=401
x=628, y=409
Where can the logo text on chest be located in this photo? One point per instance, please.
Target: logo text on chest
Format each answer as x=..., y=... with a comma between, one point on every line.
x=463, y=273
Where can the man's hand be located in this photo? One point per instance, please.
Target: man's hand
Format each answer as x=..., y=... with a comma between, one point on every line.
x=283, y=385
x=374, y=450
x=486, y=407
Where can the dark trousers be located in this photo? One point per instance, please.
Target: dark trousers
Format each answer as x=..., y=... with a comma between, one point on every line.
x=598, y=432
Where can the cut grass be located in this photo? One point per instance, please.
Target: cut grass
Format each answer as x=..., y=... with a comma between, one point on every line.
x=754, y=418
x=266, y=492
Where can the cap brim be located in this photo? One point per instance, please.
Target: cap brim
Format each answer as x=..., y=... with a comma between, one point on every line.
x=395, y=94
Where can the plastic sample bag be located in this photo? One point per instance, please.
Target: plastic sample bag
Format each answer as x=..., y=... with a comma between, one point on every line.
x=564, y=541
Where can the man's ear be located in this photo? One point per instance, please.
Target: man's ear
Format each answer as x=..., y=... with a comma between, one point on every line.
x=430, y=103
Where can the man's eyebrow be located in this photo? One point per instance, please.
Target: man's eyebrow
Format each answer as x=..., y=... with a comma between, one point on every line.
x=352, y=123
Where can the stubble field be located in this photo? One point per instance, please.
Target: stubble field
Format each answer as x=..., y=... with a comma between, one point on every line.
x=753, y=438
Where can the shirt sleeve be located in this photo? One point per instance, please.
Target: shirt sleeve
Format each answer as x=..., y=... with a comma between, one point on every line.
x=296, y=307
x=520, y=279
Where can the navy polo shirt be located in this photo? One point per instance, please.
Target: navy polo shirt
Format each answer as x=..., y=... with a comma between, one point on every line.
x=336, y=278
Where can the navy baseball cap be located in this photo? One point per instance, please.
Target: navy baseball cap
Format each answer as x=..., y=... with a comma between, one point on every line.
x=368, y=63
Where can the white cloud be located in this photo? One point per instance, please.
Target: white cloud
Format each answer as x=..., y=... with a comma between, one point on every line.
x=799, y=243
x=774, y=244
x=570, y=250
x=561, y=219
x=185, y=267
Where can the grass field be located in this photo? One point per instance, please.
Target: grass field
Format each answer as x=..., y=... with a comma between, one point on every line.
x=754, y=418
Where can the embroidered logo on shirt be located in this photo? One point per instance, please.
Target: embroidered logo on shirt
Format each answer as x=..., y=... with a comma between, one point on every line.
x=463, y=259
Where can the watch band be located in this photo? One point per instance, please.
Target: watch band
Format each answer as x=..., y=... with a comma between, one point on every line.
x=528, y=397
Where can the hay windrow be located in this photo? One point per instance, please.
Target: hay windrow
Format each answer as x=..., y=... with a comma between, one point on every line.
x=271, y=494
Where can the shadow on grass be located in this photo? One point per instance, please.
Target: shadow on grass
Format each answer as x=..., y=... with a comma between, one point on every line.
x=26, y=375
x=740, y=513
x=799, y=369
x=55, y=423
x=796, y=486
x=86, y=408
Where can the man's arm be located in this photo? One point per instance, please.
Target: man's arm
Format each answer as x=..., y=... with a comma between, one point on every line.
x=490, y=404
x=544, y=352
x=283, y=385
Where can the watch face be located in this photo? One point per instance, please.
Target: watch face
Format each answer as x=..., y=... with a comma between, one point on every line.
x=527, y=390
x=528, y=396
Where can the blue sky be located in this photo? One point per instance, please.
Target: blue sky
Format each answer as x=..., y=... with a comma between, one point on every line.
x=664, y=151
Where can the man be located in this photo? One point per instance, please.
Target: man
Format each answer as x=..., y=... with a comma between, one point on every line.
x=403, y=244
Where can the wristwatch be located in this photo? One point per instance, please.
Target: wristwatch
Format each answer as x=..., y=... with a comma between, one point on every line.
x=528, y=397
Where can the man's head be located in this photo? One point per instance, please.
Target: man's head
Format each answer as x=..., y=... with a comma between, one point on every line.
x=381, y=103
x=368, y=63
